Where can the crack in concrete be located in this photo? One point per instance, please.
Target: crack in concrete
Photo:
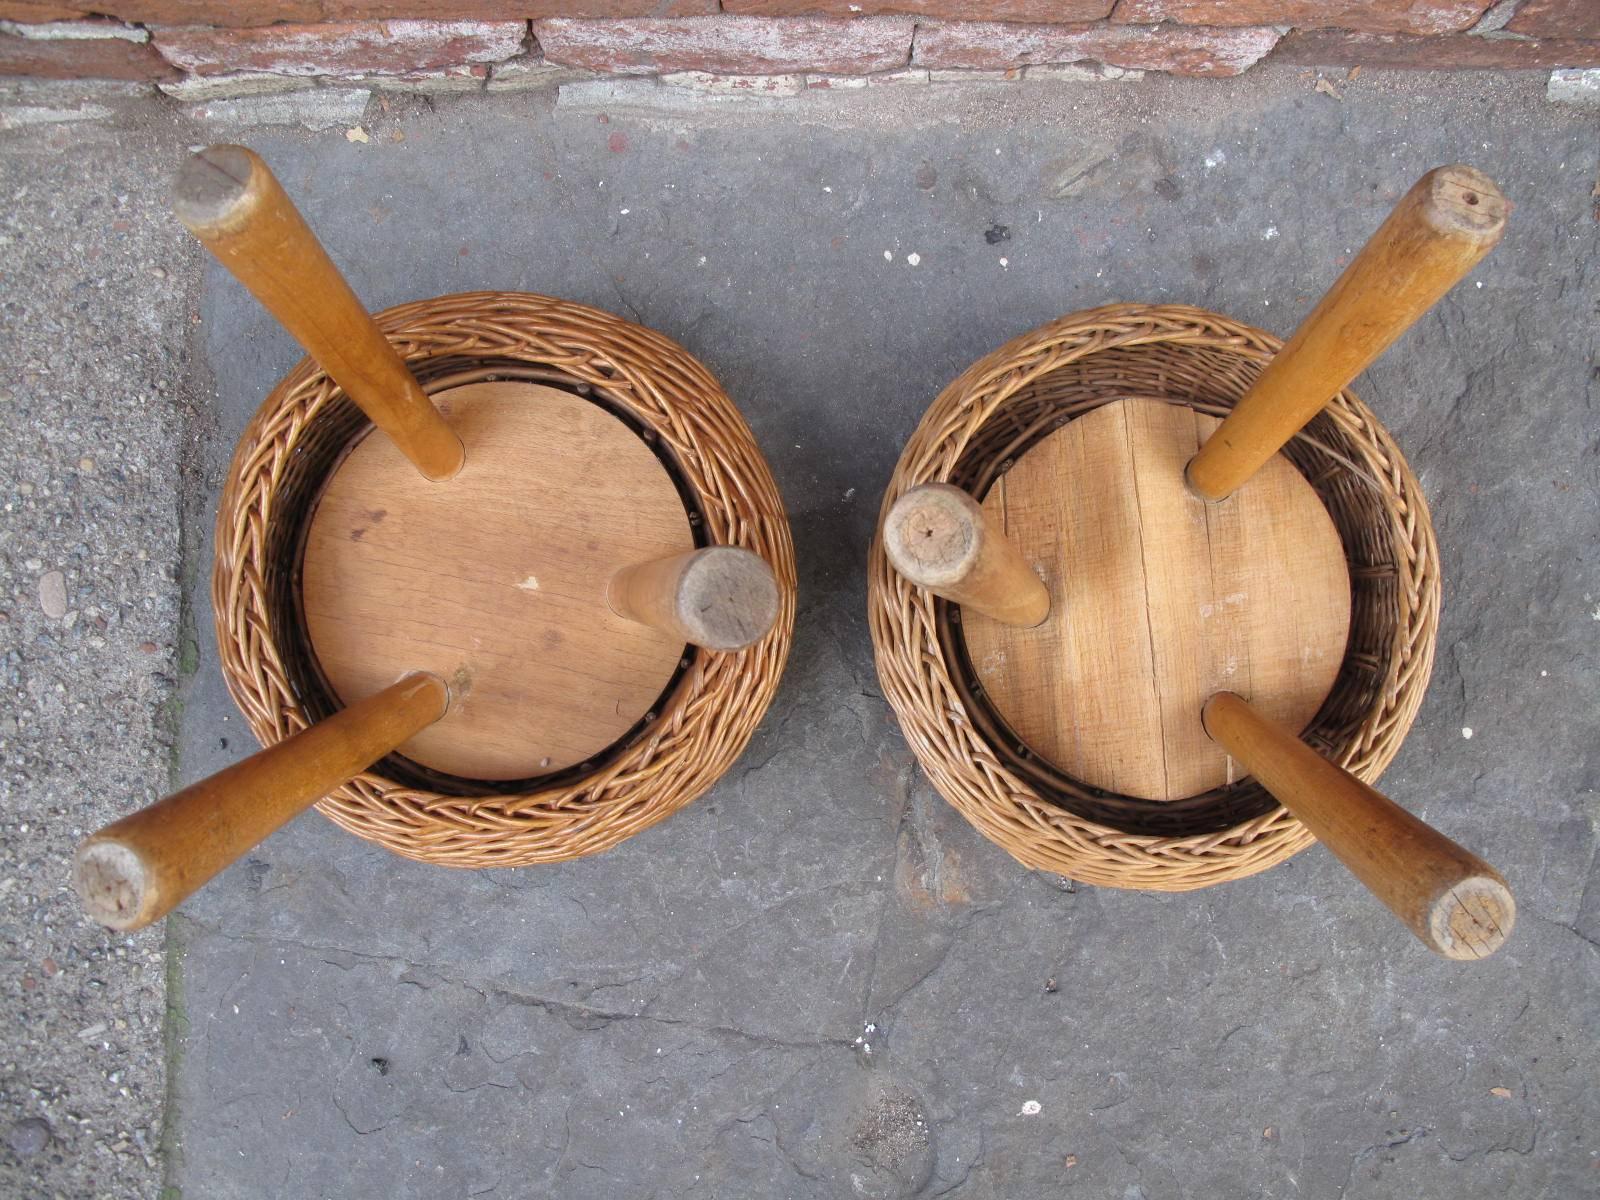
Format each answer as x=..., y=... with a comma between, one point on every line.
x=902, y=796
x=333, y=1094
x=1559, y=924
x=488, y=1083
x=761, y=915
x=1583, y=896
x=561, y=1008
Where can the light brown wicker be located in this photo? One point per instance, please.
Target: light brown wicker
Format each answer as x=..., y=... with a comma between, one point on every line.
x=1018, y=394
x=708, y=712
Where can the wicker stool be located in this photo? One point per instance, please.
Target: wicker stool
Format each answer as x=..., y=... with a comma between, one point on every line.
x=587, y=613
x=1074, y=698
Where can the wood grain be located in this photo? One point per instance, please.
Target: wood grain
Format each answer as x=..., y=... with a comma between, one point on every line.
x=1455, y=902
x=940, y=539
x=720, y=597
x=497, y=579
x=1160, y=600
x=136, y=870
x=230, y=201
x=1438, y=232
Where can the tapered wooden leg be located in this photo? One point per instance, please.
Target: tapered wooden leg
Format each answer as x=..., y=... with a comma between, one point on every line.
x=233, y=204
x=940, y=538
x=1437, y=233
x=136, y=870
x=721, y=597
x=1454, y=901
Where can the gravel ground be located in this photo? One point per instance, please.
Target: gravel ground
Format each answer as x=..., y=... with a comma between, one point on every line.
x=93, y=336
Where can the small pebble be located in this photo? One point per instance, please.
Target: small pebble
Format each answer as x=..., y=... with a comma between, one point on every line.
x=147, y=647
x=28, y=1136
x=1072, y=1160
x=1030, y=1108
x=86, y=465
x=53, y=595
x=1466, y=732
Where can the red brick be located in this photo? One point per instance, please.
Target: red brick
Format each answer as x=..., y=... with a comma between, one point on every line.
x=536, y=10
x=729, y=45
x=1334, y=48
x=1375, y=16
x=1557, y=19
x=1041, y=11
x=352, y=48
x=25, y=10
x=237, y=13
x=1181, y=49
x=81, y=58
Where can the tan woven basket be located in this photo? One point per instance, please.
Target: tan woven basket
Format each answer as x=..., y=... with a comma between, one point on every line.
x=1015, y=396
x=707, y=713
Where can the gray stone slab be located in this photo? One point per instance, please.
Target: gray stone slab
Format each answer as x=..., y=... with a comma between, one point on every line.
x=314, y=108
x=97, y=392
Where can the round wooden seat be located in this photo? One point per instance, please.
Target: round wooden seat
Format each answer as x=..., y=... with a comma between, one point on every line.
x=1161, y=600
x=496, y=580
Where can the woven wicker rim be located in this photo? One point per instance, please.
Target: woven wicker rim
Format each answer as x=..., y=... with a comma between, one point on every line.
x=707, y=715
x=1019, y=394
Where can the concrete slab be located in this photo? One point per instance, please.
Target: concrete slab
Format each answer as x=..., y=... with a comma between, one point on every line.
x=97, y=397
x=818, y=980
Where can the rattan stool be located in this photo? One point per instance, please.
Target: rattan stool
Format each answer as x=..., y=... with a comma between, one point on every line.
x=499, y=579
x=1091, y=548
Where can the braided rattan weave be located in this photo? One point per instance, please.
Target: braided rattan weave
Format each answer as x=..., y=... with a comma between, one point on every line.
x=1018, y=394
x=708, y=712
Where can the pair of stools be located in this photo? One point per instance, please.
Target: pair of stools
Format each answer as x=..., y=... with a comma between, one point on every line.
x=503, y=580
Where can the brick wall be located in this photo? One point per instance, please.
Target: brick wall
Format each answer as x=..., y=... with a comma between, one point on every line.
x=200, y=45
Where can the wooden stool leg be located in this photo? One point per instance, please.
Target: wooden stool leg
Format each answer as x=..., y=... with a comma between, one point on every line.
x=721, y=597
x=134, y=871
x=1454, y=901
x=233, y=204
x=1437, y=233
x=939, y=538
